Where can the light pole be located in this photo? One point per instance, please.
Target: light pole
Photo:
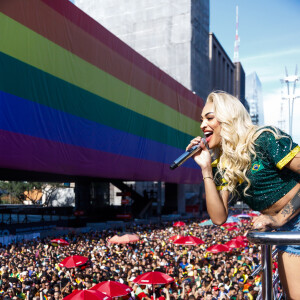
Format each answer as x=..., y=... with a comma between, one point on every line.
x=291, y=95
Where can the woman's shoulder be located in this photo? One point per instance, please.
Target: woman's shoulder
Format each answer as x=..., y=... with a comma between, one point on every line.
x=267, y=130
x=265, y=134
x=275, y=144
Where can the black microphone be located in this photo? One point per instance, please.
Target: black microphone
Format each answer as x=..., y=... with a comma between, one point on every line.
x=186, y=155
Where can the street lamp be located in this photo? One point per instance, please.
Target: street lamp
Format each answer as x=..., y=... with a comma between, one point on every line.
x=292, y=79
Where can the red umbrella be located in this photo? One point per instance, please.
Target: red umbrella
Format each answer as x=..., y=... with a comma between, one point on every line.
x=232, y=229
x=230, y=224
x=252, y=214
x=204, y=221
x=218, y=248
x=245, y=221
x=112, y=288
x=188, y=240
x=73, y=261
x=124, y=239
x=179, y=224
x=87, y=295
x=235, y=244
x=154, y=277
x=241, y=238
x=174, y=237
x=60, y=242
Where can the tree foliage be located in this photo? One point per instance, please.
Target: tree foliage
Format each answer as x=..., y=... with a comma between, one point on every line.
x=48, y=190
x=29, y=191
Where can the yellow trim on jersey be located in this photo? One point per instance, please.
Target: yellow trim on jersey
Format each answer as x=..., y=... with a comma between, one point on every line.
x=288, y=158
x=224, y=181
x=215, y=163
x=241, y=180
x=221, y=187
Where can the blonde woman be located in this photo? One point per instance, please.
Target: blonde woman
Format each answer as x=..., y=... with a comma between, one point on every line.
x=260, y=165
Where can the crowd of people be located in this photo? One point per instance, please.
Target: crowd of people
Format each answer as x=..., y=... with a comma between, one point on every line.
x=31, y=270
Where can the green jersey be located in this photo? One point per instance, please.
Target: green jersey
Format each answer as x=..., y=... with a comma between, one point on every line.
x=270, y=181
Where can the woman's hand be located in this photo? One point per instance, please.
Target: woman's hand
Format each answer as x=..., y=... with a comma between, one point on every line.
x=266, y=222
x=202, y=157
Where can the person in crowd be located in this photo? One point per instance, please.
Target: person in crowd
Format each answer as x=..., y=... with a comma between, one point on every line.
x=258, y=165
x=199, y=279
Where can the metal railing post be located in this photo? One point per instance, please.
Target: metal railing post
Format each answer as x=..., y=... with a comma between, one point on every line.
x=267, y=286
x=266, y=240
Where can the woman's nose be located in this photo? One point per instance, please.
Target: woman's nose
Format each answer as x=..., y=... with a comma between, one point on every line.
x=203, y=124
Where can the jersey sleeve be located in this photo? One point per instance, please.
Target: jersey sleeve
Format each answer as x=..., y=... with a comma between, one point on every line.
x=280, y=151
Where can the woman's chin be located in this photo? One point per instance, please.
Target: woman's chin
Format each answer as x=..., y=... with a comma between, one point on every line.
x=211, y=145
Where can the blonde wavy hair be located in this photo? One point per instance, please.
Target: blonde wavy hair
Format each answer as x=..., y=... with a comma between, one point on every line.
x=238, y=135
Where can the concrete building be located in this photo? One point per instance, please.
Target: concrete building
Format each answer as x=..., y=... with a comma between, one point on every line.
x=239, y=84
x=173, y=35
x=221, y=67
x=239, y=79
x=224, y=74
x=254, y=98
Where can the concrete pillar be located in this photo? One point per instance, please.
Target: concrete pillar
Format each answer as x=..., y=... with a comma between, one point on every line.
x=181, y=198
x=170, y=205
x=82, y=195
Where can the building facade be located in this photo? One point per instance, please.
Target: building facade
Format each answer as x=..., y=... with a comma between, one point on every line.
x=221, y=67
x=173, y=35
x=239, y=84
x=254, y=98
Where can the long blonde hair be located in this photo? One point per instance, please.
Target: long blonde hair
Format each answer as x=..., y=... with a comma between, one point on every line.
x=238, y=135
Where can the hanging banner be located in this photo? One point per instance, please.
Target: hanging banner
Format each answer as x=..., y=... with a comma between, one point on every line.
x=76, y=100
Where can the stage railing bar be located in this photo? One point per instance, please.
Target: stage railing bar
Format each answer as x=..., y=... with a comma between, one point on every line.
x=267, y=239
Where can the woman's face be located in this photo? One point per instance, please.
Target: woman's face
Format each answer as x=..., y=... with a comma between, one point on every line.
x=210, y=126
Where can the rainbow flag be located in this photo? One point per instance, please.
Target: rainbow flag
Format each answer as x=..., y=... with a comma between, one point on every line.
x=76, y=100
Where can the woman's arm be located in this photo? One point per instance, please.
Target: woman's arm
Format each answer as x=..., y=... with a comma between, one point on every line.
x=183, y=290
x=294, y=164
x=166, y=291
x=206, y=289
x=65, y=287
x=291, y=209
x=216, y=202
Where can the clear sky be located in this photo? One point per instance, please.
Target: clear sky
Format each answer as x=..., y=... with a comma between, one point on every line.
x=269, y=33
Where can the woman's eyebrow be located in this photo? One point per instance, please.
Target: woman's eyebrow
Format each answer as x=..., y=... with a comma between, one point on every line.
x=211, y=112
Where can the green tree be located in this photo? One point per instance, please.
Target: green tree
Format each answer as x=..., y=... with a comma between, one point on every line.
x=48, y=190
x=23, y=190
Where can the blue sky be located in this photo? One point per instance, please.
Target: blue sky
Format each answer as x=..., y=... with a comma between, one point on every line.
x=269, y=41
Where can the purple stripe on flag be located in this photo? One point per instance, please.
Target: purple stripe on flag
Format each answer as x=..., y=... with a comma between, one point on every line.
x=23, y=152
